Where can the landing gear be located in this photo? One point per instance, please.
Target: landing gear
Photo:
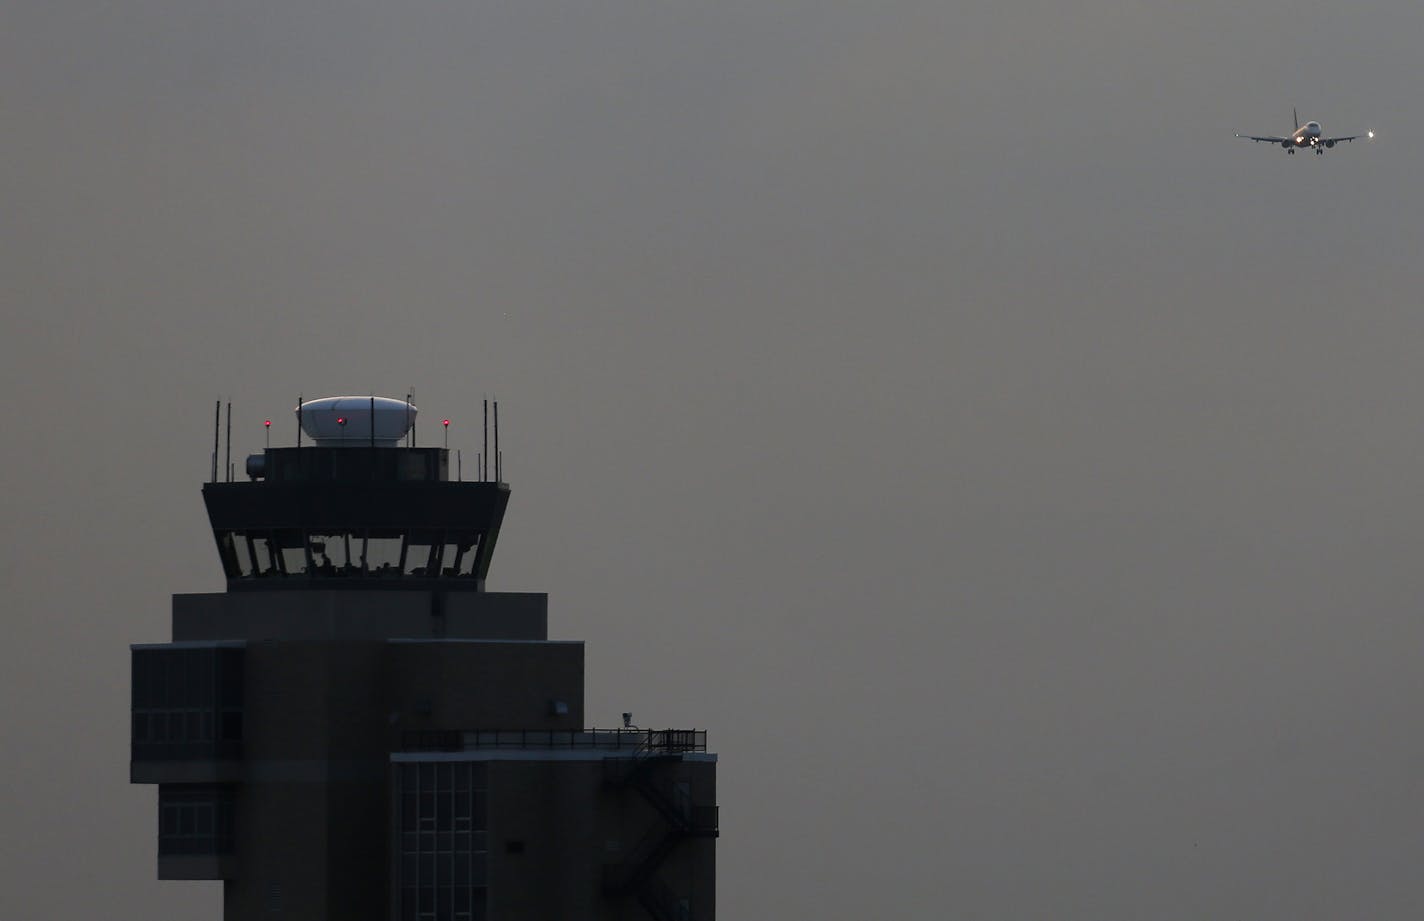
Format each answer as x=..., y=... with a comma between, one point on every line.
x=1319, y=151
x=1290, y=150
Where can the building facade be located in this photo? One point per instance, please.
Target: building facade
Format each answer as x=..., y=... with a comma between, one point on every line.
x=356, y=729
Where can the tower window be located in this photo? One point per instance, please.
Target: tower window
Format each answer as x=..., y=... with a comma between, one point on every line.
x=187, y=703
x=443, y=841
x=194, y=819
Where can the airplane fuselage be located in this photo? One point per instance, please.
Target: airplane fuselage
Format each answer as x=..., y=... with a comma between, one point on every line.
x=1307, y=135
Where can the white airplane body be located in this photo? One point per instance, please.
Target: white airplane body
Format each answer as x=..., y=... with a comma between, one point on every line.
x=1307, y=135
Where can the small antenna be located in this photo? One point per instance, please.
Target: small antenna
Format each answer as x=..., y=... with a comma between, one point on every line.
x=459, y=467
x=373, y=420
x=267, y=427
x=408, y=424
x=299, y=420
x=498, y=474
x=228, y=462
x=484, y=470
x=217, y=426
x=446, y=423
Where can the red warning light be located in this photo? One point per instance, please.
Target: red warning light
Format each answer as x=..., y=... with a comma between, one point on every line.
x=446, y=423
x=268, y=423
x=340, y=420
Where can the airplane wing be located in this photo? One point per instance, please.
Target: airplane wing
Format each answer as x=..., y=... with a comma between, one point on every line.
x=1268, y=140
x=1338, y=140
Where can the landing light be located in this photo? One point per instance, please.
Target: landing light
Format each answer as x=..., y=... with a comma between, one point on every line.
x=1369, y=134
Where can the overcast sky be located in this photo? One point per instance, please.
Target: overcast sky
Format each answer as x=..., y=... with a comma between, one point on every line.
x=1017, y=474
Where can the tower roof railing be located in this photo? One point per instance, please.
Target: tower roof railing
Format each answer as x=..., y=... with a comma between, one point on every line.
x=633, y=741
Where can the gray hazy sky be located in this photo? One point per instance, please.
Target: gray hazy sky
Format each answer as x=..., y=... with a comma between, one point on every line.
x=1017, y=474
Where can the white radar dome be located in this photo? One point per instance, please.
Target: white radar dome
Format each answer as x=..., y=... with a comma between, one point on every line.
x=356, y=421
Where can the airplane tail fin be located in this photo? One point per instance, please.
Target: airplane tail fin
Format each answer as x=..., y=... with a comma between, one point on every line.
x=1295, y=119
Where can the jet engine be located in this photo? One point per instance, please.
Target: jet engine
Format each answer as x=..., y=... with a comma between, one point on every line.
x=1329, y=143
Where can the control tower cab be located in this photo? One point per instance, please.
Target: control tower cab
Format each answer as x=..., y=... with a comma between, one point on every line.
x=356, y=505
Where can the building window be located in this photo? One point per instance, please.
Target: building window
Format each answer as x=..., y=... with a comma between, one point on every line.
x=187, y=703
x=384, y=553
x=194, y=819
x=443, y=846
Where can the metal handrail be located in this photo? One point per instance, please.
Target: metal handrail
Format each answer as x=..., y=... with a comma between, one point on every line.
x=636, y=742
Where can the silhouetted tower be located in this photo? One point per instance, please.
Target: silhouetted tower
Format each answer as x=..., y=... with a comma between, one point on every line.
x=356, y=729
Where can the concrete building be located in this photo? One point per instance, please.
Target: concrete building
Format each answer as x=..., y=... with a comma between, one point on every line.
x=356, y=729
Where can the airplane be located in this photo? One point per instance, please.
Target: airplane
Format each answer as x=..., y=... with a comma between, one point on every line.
x=1306, y=135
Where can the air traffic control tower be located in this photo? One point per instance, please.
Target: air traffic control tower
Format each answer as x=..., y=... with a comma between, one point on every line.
x=357, y=730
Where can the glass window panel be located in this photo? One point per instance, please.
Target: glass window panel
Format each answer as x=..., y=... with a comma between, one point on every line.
x=292, y=550
x=173, y=677
x=468, y=554
x=422, y=554
x=383, y=550
x=264, y=564
x=449, y=558
x=478, y=813
x=204, y=677
x=227, y=552
x=242, y=555
x=139, y=689
x=329, y=553
x=230, y=677
x=442, y=777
